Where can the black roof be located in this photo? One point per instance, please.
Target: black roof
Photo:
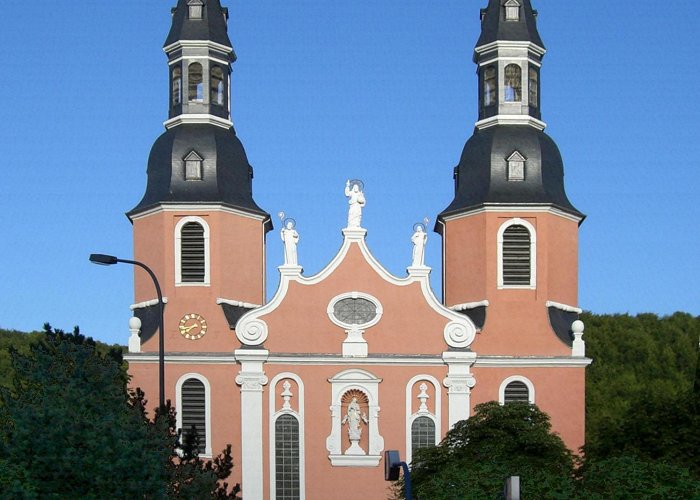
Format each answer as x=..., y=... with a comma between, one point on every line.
x=212, y=26
x=495, y=27
x=226, y=173
x=482, y=171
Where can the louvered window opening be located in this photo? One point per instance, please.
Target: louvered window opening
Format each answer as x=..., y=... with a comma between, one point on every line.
x=192, y=253
x=287, y=475
x=194, y=411
x=516, y=256
x=516, y=392
x=422, y=433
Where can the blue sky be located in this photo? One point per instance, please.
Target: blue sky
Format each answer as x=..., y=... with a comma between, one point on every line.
x=324, y=91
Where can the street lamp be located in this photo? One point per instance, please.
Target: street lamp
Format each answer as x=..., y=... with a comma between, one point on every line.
x=108, y=260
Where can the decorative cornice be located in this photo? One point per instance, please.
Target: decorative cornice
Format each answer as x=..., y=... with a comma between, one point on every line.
x=563, y=307
x=198, y=44
x=197, y=207
x=198, y=118
x=236, y=303
x=506, y=208
x=511, y=44
x=147, y=303
x=510, y=120
x=469, y=305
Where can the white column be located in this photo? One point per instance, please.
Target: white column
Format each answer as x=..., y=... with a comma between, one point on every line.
x=459, y=382
x=252, y=379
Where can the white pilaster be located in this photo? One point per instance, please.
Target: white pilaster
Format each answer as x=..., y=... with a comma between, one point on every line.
x=459, y=382
x=252, y=379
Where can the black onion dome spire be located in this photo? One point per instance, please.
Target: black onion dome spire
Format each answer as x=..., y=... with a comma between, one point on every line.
x=199, y=159
x=495, y=26
x=211, y=26
x=509, y=160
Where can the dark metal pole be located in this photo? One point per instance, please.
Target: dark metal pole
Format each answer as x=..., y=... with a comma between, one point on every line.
x=161, y=332
x=407, y=480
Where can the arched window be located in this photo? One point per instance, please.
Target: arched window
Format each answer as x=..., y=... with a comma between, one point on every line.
x=287, y=458
x=513, y=83
x=489, y=86
x=217, y=86
x=286, y=428
x=516, y=255
x=192, y=253
x=422, y=433
x=423, y=413
x=195, y=82
x=516, y=389
x=177, y=85
x=193, y=408
x=533, y=78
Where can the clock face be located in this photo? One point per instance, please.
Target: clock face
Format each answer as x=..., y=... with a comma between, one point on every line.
x=193, y=326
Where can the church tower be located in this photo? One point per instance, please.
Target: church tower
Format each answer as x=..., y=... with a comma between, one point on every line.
x=197, y=225
x=510, y=236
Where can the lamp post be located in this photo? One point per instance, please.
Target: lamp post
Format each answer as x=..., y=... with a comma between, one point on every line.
x=108, y=260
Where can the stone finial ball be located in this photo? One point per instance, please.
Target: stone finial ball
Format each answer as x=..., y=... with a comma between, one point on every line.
x=134, y=323
x=577, y=326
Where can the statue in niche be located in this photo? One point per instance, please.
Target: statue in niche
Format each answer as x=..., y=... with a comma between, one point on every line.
x=419, y=239
x=354, y=191
x=354, y=419
x=290, y=237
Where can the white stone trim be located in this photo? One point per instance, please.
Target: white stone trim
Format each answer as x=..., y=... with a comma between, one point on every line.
x=510, y=120
x=207, y=44
x=367, y=383
x=194, y=207
x=459, y=382
x=510, y=44
x=468, y=306
x=252, y=379
x=223, y=62
x=317, y=360
x=147, y=303
x=505, y=208
x=300, y=418
x=207, y=407
x=355, y=295
x=563, y=307
x=411, y=416
x=236, y=303
x=533, y=254
x=200, y=118
x=178, y=250
x=517, y=378
x=251, y=330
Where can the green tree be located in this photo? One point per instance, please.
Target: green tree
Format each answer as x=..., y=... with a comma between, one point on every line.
x=628, y=477
x=496, y=442
x=68, y=428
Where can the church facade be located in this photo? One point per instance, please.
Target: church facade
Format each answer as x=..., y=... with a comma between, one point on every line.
x=312, y=386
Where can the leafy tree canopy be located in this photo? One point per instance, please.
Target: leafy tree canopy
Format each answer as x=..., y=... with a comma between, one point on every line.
x=496, y=442
x=69, y=429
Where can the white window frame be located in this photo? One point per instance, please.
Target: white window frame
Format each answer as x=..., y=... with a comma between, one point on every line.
x=512, y=10
x=411, y=416
x=533, y=254
x=516, y=378
x=178, y=251
x=207, y=407
x=299, y=415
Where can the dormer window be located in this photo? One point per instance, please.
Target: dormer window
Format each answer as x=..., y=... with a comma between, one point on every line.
x=193, y=167
x=516, y=167
x=195, y=9
x=512, y=10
